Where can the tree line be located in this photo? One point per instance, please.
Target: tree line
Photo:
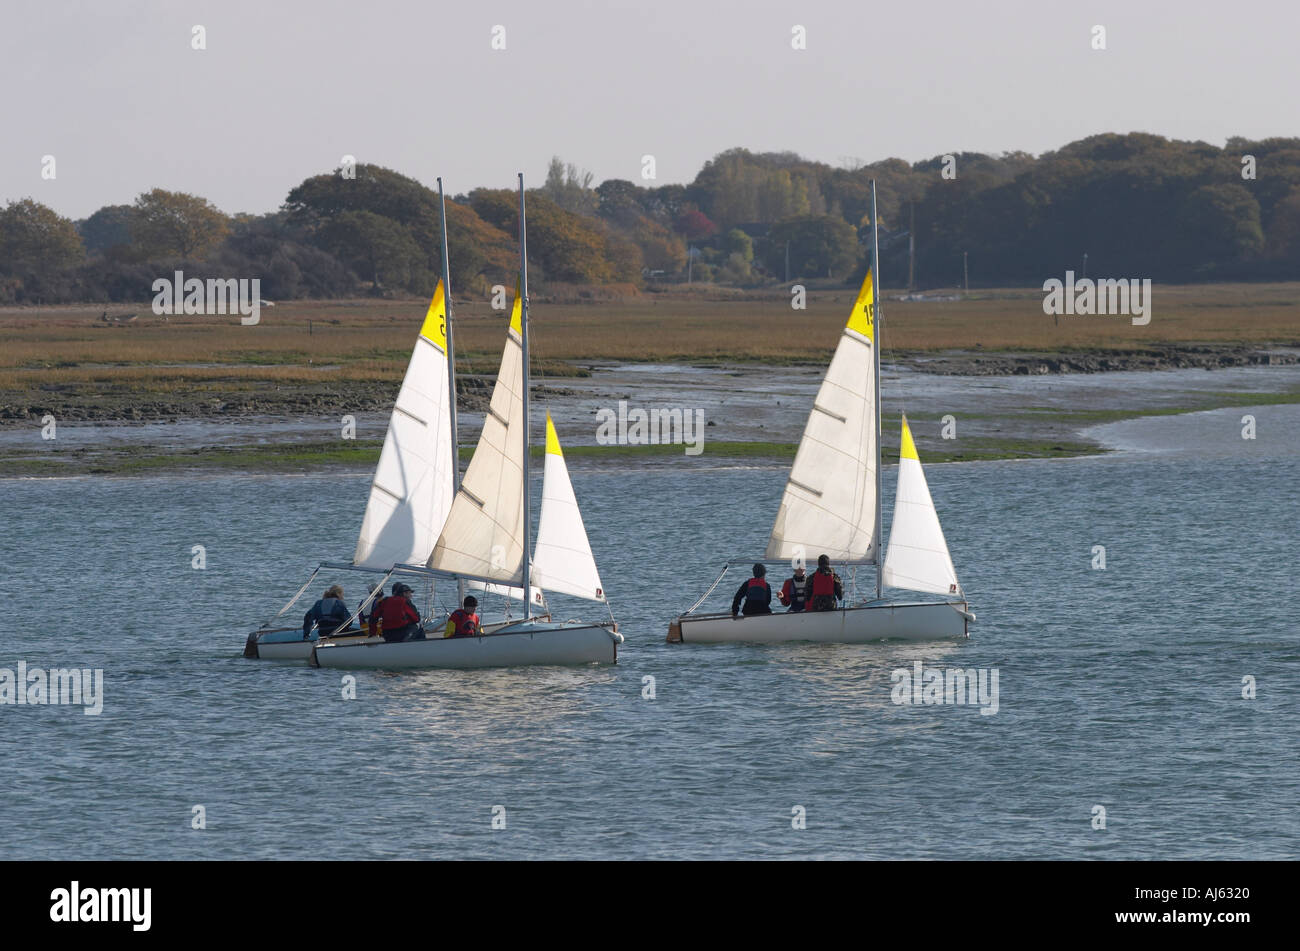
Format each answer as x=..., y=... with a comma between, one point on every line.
x=1137, y=205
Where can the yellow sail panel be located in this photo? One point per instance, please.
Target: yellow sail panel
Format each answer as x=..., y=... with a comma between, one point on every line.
x=517, y=311
x=434, y=329
x=552, y=440
x=863, y=318
x=907, y=449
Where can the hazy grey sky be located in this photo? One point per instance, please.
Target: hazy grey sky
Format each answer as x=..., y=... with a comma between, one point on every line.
x=285, y=88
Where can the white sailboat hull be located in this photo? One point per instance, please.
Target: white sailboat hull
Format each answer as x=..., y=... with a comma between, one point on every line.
x=260, y=646
x=911, y=621
x=532, y=646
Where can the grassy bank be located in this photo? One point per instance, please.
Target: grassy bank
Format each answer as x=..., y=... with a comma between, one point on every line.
x=356, y=344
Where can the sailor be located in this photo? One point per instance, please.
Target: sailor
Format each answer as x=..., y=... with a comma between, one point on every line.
x=824, y=588
x=464, y=621
x=373, y=606
x=756, y=593
x=400, y=618
x=794, y=593
x=328, y=614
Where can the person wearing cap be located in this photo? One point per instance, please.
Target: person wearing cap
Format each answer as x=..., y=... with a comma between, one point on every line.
x=756, y=594
x=464, y=621
x=328, y=614
x=794, y=593
x=824, y=588
x=399, y=616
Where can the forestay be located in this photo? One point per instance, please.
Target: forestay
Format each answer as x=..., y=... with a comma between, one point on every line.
x=829, y=506
x=917, y=558
x=562, y=561
x=411, y=493
x=483, y=535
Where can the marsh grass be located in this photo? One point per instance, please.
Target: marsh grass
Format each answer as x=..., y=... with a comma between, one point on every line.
x=379, y=335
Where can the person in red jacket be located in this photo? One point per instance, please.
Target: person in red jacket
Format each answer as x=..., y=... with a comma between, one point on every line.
x=824, y=587
x=794, y=593
x=400, y=617
x=464, y=622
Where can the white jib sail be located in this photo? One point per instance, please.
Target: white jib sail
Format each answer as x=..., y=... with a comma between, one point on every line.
x=829, y=506
x=411, y=492
x=562, y=561
x=917, y=558
x=483, y=535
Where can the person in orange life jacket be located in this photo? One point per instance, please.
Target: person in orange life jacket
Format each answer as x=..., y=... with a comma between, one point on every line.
x=328, y=614
x=824, y=587
x=400, y=618
x=756, y=593
x=794, y=593
x=463, y=621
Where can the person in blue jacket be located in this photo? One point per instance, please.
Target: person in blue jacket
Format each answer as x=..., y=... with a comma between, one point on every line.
x=328, y=614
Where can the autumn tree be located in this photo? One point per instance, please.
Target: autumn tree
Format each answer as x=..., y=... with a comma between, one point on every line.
x=176, y=224
x=35, y=241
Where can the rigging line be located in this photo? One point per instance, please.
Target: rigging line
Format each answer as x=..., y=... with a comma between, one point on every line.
x=704, y=597
x=294, y=599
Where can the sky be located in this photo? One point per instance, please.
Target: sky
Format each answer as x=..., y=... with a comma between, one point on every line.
x=115, y=92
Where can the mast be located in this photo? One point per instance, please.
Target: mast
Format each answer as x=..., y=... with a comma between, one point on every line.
x=451, y=348
x=451, y=371
x=523, y=326
x=875, y=356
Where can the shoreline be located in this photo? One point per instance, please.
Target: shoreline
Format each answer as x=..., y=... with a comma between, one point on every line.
x=229, y=392
x=1040, y=438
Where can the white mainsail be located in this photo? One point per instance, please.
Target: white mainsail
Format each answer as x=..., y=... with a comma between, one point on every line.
x=829, y=506
x=483, y=534
x=562, y=560
x=918, y=557
x=411, y=492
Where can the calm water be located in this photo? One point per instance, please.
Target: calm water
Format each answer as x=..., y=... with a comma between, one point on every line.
x=1118, y=687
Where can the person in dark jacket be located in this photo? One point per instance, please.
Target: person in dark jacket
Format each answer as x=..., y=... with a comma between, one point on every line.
x=794, y=593
x=824, y=587
x=399, y=615
x=756, y=593
x=328, y=614
x=373, y=606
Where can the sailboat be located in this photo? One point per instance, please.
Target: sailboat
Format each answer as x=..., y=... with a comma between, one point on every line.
x=414, y=481
x=486, y=538
x=832, y=505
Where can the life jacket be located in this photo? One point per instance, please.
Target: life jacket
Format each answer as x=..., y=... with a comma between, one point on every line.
x=330, y=613
x=396, y=612
x=798, y=590
x=757, y=591
x=461, y=624
x=823, y=582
